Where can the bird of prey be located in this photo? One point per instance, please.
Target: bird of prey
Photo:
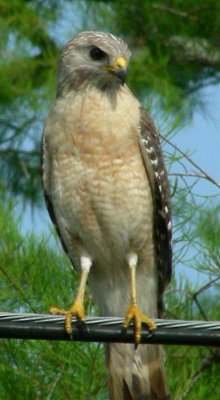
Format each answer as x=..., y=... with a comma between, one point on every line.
x=106, y=190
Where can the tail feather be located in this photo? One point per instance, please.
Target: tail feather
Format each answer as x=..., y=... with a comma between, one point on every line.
x=136, y=374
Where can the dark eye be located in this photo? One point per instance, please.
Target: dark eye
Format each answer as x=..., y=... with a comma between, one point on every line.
x=97, y=54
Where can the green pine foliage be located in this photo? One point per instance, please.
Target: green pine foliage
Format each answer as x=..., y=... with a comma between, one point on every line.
x=175, y=48
x=33, y=278
x=176, y=45
x=175, y=54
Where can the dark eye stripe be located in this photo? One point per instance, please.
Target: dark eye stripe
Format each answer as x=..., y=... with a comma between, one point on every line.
x=97, y=54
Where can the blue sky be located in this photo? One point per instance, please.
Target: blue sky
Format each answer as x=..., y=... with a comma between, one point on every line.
x=202, y=136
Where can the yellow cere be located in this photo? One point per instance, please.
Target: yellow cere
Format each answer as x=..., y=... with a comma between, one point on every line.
x=121, y=62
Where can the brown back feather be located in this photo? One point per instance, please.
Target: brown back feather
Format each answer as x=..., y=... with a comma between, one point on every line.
x=155, y=168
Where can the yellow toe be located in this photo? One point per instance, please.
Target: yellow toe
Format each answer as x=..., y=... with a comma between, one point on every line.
x=134, y=314
x=76, y=310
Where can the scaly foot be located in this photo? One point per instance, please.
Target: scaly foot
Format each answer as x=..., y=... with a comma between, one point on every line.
x=134, y=313
x=77, y=310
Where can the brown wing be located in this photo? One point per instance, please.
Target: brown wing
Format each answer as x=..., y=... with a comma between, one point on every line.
x=156, y=171
x=45, y=183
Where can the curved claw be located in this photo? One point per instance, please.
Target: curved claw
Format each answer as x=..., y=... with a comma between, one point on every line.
x=135, y=314
x=77, y=310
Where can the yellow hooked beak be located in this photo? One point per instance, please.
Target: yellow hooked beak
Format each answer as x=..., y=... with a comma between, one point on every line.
x=119, y=68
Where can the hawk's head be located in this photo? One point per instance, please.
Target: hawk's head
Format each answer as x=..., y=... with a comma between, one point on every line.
x=93, y=58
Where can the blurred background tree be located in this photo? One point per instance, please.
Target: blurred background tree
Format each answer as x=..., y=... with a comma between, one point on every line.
x=175, y=46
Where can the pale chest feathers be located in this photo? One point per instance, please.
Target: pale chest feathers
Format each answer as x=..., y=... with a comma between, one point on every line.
x=100, y=191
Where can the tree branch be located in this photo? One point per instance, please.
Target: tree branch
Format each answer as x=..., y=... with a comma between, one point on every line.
x=207, y=363
x=200, y=169
x=173, y=11
x=195, y=50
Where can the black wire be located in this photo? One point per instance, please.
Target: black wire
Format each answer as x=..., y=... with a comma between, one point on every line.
x=108, y=329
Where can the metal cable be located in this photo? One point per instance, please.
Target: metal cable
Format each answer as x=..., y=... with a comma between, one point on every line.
x=108, y=329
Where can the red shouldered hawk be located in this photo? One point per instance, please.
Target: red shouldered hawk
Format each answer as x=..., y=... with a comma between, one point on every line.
x=106, y=190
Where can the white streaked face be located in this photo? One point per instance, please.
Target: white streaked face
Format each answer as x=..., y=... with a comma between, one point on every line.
x=93, y=54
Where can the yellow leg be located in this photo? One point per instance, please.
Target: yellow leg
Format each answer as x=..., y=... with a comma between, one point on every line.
x=77, y=308
x=133, y=312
